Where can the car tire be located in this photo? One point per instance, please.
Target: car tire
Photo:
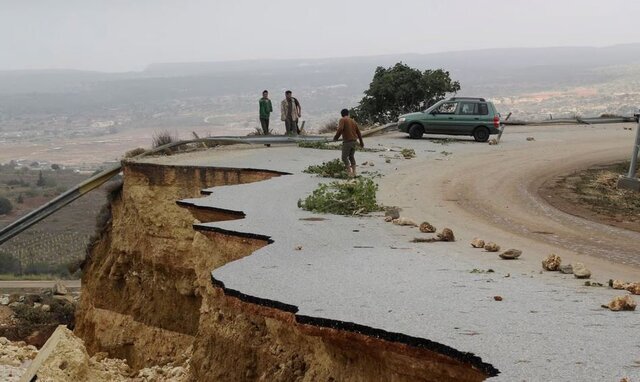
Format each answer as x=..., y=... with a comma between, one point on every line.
x=416, y=131
x=481, y=134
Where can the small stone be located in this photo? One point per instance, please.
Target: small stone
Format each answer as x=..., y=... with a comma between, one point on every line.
x=511, y=254
x=530, y=139
x=364, y=163
x=425, y=227
x=446, y=235
x=580, y=271
x=298, y=248
x=491, y=247
x=404, y=221
x=621, y=303
x=387, y=160
x=477, y=243
x=388, y=219
x=551, y=262
x=46, y=308
x=4, y=299
x=497, y=298
x=566, y=269
x=60, y=289
x=393, y=212
x=371, y=164
x=634, y=288
x=493, y=141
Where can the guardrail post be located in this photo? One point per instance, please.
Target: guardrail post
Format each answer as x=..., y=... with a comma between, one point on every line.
x=631, y=182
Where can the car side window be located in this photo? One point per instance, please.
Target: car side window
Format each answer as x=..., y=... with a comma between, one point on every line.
x=468, y=108
x=482, y=109
x=447, y=108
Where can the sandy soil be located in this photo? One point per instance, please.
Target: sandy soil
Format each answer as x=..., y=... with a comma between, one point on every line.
x=492, y=192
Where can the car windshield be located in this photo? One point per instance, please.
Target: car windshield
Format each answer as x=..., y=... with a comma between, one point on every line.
x=434, y=106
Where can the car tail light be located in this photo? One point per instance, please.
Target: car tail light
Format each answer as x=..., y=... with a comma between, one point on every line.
x=496, y=121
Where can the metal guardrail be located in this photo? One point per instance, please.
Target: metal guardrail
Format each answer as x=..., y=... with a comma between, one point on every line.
x=97, y=180
x=572, y=121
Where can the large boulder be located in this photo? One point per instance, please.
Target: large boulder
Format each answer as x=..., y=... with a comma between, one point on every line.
x=551, y=262
x=621, y=303
x=59, y=289
x=511, y=254
x=580, y=271
x=477, y=243
x=491, y=247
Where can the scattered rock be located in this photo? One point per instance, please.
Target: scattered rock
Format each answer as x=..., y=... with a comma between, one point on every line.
x=530, y=139
x=388, y=219
x=580, y=271
x=511, y=254
x=566, y=269
x=366, y=163
x=446, y=235
x=621, y=303
x=592, y=284
x=551, y=262
x=46, y=308
x=425, y=227
x=371, y=164
x=618, y=284
x=298, y=248
x=477, y=243
x=404, y=221
x=491, y=247
x=493, y=141
x=387, y=160
x=59, y=289
x=4, y=299
x=393, y=212
x=634, y=288
x=497, y=298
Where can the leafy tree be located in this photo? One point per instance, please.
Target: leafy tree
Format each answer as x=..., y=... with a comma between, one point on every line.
x=5, y=205
x=401, y=89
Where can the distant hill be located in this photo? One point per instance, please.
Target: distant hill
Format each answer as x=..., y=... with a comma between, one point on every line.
x=489, y=72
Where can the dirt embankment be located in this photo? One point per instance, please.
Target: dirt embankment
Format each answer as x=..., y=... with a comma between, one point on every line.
x=148, y=297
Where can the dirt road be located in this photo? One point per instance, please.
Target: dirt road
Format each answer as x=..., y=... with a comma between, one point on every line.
x=491, y=192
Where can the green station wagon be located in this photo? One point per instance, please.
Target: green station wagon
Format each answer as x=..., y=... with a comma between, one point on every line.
x=455, y=116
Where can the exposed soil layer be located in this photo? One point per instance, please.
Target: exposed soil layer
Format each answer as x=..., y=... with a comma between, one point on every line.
x=148, y=297
x=592, y=194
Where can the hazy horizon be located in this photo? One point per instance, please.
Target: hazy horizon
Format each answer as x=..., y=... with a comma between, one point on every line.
x=120, y=36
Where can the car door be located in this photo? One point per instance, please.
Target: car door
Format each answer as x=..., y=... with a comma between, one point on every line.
x=443, y=118
x=468, y=117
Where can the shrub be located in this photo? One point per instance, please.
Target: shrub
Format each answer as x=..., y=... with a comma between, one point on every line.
x=408, y=153
x=331, y=169
x=162, y=138
x=353, y=197
x=134, y=153
x=329, y=127
x=9, y=264
x=5, y=205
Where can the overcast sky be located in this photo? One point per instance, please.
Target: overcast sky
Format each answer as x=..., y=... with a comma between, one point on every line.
x=118, y=35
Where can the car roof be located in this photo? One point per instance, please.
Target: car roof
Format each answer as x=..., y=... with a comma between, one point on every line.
x=467, y=99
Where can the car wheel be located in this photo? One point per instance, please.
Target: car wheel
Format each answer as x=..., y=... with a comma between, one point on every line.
x=415, y=131
x=481, y=134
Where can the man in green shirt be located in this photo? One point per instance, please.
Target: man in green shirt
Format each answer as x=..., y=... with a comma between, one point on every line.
x=265, y=111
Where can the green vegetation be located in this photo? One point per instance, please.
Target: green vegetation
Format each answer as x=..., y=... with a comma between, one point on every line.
x=352, y=197
x=332, y=169
x=401, y=89
x=408, y=153
x=330, y=126
x=163, y=138
x=598, y=189
x=5, y=205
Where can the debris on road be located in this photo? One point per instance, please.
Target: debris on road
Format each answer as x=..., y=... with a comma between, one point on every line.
x=477, y=243
x=491, y=247
x=392, y=212
x=634, y=288
x=621, y=303
x=530, y=139
x=408, y=153
x=446, y=235
x=404, y=221
x=551, y=262
x=511, y=254
x=566, y=269
x=426, y=227
x=298, y=248
x=497, y=298
x=580, y=271
x=618, y=284
x=493, y=141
